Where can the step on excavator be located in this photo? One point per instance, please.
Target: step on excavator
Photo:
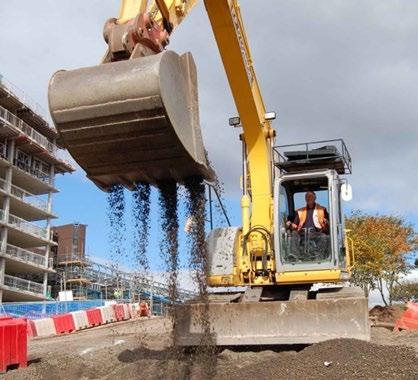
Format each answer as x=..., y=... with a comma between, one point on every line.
x=283, y=276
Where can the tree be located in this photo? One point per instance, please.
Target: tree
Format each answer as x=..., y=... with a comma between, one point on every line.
x=406, y=291
x=381, y=244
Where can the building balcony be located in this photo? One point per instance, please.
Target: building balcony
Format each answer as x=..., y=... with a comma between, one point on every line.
x=19, y=260
x=23, y=233
x=19, y=289
x=34, y=181
x=15, y=99
x=31, y=141
x=24, y=204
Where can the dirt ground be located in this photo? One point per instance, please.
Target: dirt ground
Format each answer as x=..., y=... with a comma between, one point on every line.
x=139, y=350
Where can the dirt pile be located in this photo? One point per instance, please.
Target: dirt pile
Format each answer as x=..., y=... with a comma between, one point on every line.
x=386, y=314
x=335, y=359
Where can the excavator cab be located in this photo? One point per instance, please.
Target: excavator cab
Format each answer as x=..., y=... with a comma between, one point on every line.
x=320, y=244
x=317, y=245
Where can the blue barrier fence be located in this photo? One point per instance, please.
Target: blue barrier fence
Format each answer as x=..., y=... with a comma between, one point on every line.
x=35, y=310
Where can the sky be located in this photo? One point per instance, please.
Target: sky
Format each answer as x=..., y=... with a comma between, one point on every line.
x=330, y=69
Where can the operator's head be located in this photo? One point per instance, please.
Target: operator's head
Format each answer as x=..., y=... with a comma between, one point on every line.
x=310, y=198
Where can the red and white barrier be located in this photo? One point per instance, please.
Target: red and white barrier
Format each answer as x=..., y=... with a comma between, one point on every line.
x=13, y=343
x=108, y=314
x=409, y=319
x=126, y=313
x=44, y=327
x=80, y=320
x=144, y=310
x=64, y=323
x=94, y=317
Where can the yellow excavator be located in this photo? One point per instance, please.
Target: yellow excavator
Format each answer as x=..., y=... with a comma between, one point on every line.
x=135, y=118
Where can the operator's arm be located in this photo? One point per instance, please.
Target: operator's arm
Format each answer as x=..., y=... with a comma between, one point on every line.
x=293, y=221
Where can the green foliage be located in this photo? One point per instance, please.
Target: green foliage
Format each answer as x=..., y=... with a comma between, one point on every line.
x=405, y=291
x=381, y=244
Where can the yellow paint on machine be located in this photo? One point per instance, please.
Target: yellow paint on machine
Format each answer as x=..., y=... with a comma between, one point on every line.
x=307, y=277
x=177, y=10
x=225, y=18
x=287, y=278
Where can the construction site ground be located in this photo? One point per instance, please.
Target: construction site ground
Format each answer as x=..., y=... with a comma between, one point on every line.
x=140, y=349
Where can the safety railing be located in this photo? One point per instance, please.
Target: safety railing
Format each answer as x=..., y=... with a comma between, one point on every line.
x=37, y=173
x=23, y=285
x=7, y=117
x=314, y=152
x=25, y=256
x=25, y=196
x=25, y=99
x=25, y=226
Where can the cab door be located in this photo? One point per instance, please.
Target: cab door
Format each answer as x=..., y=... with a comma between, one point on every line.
x=307, y=249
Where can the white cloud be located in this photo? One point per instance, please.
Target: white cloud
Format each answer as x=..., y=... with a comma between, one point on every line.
x=334, y=69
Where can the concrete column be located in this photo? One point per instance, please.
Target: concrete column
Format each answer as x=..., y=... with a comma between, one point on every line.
x=48, y=229
x=2, y=269
x=2, y=272
x=52, y=175
x=45, y=283
x=6, y=200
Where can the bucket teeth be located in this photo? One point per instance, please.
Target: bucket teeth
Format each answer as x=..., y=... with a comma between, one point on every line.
x=131, y=121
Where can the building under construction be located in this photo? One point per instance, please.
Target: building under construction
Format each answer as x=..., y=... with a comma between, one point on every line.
x=88, y=279
x=30, y=157
x=70, y=262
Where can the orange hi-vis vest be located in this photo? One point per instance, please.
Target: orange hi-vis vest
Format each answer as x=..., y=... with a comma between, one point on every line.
x=318, y=217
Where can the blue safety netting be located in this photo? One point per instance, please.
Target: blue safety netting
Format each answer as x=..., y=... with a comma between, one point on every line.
x=35, y=310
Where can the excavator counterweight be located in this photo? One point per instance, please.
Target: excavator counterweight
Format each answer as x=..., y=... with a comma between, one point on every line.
x=131, y=121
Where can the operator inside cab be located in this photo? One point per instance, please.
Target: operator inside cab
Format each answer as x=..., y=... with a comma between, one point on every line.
x=312, y=217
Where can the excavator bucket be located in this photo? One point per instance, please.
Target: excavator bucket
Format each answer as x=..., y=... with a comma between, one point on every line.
x=131, y=121
x=273, y=323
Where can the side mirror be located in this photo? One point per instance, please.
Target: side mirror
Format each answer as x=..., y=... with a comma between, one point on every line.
x=346, y=192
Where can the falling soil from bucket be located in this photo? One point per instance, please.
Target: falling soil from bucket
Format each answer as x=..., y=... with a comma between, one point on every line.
x=169, y=241
x=140, y=216
x=116, y=212
x=205, y=356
